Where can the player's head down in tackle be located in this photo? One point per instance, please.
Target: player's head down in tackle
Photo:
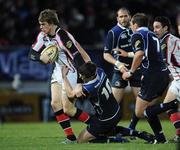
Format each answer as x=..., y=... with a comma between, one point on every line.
x=87, y=71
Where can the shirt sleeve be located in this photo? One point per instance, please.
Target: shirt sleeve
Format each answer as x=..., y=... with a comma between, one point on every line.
x=39, y=43
x=109, y=42
x=70, y=47
x=137, y=42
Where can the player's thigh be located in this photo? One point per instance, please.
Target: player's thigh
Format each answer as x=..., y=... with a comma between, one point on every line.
x=117, y=81
x=85, y=136
x=170, y=96
x=173, y=91
x=56, y=96
x=135, y=91
x=68, y=106
x=118, y=93
x=141, y=105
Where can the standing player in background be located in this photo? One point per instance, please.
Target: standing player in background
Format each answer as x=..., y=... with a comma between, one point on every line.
x=72, y=55
x=118, y=51
x=148, y=55
x=171, y=49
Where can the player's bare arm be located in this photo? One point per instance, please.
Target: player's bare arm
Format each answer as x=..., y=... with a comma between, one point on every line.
x=109, y=58
x=83, y=53
x=138, y=57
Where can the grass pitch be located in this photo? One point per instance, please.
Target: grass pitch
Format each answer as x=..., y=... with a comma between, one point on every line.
x=48, y=136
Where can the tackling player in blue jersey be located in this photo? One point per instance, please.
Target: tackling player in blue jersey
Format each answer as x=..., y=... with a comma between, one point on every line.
x=155, y=77
x=96, y=87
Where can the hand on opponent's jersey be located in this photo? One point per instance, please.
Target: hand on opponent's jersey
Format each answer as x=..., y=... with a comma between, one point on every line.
x=78, y=91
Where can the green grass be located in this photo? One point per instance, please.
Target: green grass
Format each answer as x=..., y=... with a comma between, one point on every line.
x=47, y=136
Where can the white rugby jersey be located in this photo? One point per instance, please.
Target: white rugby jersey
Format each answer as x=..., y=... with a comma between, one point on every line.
x=173, y=55
x=65, y=54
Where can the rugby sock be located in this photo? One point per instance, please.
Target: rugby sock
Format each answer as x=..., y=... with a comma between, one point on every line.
x=100, y=139
x=82, y=116
x=174, y=117
x=64, y=122
x=160, y=108
x=155, y=124
x=126, y=131
x=134, y=121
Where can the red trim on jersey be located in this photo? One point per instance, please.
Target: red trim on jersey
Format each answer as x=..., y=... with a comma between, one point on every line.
x=173, y=59
x=71, y=65
x=72, y=41
x=166, y=51
x=37, y=41
x=69, y=53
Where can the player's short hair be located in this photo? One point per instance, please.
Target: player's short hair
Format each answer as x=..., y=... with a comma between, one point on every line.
x=50, y=16
x=140, y=19
x=87, y=69
x=164, y=21
x=123, y=9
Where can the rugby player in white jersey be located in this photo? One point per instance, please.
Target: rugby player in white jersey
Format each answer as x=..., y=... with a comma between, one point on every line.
x=170, y=46
x=72, y=55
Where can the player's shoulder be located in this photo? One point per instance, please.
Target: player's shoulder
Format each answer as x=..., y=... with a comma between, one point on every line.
x=100, y=72
x=173, y=37
x=118, y=28
x=136, y=35
x=40, y=35
x=64, y=34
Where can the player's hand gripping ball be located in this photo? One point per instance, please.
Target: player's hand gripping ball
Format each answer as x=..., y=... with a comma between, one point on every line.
x=49, y=54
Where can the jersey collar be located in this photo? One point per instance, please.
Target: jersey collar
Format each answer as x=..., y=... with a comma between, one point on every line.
x=118, y=24
x=164, y=36
x=143, y=28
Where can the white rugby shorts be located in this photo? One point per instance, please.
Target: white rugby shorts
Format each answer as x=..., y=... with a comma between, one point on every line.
x=57, y=75
x=175, y=88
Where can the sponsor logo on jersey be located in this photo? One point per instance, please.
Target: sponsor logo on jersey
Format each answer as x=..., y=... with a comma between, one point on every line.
x=163, y=46
x=123, y=36
x=137, y=43
x=69, y=44
x=117, y=83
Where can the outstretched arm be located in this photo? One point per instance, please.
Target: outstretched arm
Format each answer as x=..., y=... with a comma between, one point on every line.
x=83, y=53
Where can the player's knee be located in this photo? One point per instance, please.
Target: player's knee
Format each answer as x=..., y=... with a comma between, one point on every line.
x=147, y=112
x=69, y=111
x=54, y=104
x=79, y=140
x=139, y=113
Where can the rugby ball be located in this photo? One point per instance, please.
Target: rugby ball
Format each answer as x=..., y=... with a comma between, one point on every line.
x=49, y=54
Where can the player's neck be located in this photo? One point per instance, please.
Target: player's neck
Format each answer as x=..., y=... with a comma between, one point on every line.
x=53, y=30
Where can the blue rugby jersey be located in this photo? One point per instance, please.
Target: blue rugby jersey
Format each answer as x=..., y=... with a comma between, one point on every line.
x=119, y=37
x=101, y=96
x=147, y=41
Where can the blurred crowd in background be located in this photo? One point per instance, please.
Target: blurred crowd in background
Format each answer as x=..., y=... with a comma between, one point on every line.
x=87, y=20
